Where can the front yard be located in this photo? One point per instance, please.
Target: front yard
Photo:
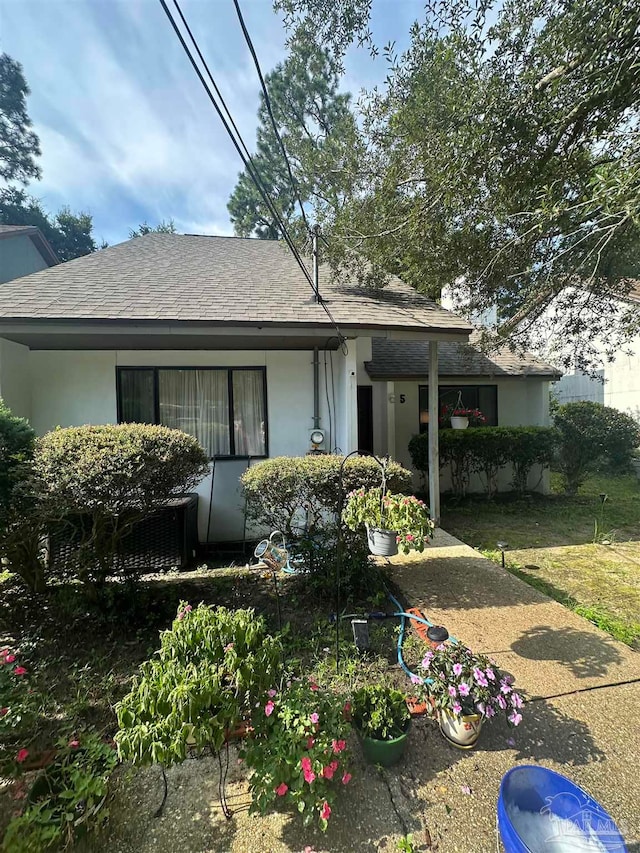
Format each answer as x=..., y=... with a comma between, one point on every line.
x=579, y=550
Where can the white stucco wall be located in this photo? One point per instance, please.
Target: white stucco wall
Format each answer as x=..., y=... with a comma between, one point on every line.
x=521, y=402
x=69, y=388
x=14, y=378
x=18, y=257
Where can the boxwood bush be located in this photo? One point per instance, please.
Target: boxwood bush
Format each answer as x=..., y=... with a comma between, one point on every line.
x=292, y=493
x=590, y=435
x=485, y=450
x=101, y=480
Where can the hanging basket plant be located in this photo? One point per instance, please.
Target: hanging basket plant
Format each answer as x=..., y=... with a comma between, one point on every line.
x=404, y=518
x=460, y=416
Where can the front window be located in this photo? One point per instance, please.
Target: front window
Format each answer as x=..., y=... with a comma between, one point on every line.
x=224, y=408
x=483, y=397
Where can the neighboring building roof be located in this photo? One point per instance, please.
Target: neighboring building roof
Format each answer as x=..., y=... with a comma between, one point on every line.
x=213, y=280
x=410, y=360
x=37, y=238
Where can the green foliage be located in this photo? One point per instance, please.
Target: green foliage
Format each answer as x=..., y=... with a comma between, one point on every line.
x=211, y=668
x=501, y=152
x=298, y=755
x=318, y=131
x=67, y=799
x=17, y=440
x=379, y=712
x=69, y=234
x=472, y=684
x=18, y=706
x=101, y=480
x=485, y=450
x=302, y=493
x=163, y=227
x=19, y=145
x=590, y=434
x=405, y=514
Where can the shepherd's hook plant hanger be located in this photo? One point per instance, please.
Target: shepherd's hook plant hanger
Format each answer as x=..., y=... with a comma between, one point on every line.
x=382, y=463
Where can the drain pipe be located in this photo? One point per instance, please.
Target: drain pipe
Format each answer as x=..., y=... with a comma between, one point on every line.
x=316, y=388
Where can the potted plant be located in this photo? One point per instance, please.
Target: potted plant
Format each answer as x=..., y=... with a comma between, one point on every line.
x=382, y=720
x=465, y=689
x=392, y=521
x=461, y=416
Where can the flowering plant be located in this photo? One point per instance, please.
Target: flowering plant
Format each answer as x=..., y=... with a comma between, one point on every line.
x=405, y=514
x=462, y=682
x=298, y=754
x=380, y=712
x=456, y=410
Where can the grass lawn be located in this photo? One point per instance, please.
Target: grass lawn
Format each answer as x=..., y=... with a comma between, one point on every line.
x=581, y=552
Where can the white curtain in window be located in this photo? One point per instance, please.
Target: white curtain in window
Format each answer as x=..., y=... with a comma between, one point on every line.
x=197, y=402
x=249, y=416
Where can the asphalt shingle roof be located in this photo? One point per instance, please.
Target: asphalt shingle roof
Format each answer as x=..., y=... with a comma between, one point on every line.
x=410, y=360
x=217, y=280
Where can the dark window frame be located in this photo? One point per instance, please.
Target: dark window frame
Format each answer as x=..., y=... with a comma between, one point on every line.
x=450, y=391
x=230, y=369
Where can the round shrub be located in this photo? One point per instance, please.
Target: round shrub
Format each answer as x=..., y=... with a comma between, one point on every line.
x=294, y=493
x=590, y=434
x=97, y=482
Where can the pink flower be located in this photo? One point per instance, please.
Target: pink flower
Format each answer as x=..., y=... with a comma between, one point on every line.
x=452, y=690
x=457, y=669
x=338, y=745
x=9, y=658
x=73, y=743
x=4, y=653
x=457, y=708
x=228, y=648
x=463, y=689
x=415, y=679
x=4, y=712
x=19, y=670
x=516, y=700
x=426, y=660
x=490, y=674
x=409, y=537
x=314, y=686
x=314, y=717
x=268, y=708
x=346, y=778
x=505, y=688
x=327, y=772
x=490, y=712
x=305, y=763
x=271, y=693
x=22, y=755
x=479, y=676
x=325, y=814
x=480, y=707
x=334, y=765
x=309, y=776
x=310, y=742
x=501, y=702
x=515, y=718
x=282, y=789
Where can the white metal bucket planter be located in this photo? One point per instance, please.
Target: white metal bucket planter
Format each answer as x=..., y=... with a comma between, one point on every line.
x=382, y=543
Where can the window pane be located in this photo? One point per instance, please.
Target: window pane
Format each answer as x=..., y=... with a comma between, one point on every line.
x=483, y=397
x=136, y=396
x=488, y=403
x=249, y=417
x=197, y=402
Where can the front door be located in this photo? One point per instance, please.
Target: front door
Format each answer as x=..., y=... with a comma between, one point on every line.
x=365, y=418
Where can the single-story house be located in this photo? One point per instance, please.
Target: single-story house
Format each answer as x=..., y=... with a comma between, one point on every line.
x=220, y=336
x=509, y=389
x=224, y=338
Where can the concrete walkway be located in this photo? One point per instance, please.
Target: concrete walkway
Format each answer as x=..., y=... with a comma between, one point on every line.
x=582, y=687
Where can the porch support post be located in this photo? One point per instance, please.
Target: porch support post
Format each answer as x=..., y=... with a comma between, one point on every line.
x=434, y=462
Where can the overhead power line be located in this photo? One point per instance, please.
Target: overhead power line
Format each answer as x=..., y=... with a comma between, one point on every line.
x=267, y=100
x=231, y=128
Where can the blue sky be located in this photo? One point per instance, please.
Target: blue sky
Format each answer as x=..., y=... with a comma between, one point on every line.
x=126, y=131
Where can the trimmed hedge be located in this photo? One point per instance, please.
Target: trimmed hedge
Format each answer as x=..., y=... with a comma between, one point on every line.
x=590, y=434
x=291, y=493
x=485, y=450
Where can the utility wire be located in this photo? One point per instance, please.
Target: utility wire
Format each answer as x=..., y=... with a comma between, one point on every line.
x=237, y=141
x=240, y=146
x=267, y=100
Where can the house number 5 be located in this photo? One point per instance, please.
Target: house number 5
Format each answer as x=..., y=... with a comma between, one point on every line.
x=403, y=398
